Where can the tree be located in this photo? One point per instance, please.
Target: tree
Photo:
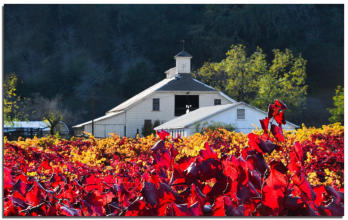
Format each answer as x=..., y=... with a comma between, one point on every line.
x=237, y=74
x=148, y=127
x=252, y=79
x=60, y=56
x=284, y=80
x=50, y=110
x=11, y=99
x=337, y=112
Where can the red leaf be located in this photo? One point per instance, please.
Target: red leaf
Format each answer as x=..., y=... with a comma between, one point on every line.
x=208, y=152
x=69, y=211
x=293, y=203
x=299, y=151
x=277, y=133
x=219, y=188
x=219, y=207
x=184, y=210
x=232, y=168
x=275, y=187
x=296, y=159
x=257, y=162
x=338, y=196
x=136, y=208
x=52, y=210
x=195, y=196
x=34, y=195
x=166, y=210
x=173, y=151
x=254, y=142
x=93, y=182
x=162, y=158
x=46, y=165
x=301, y=181
x=224, y=207
x=94, y=202
x=20, y=187
x=280, y=118
x=109, y=179
x=8, y=182
x=19, y=200
x=162, y=134
x=320, y=194
x=273, y=110
x=158, y=146
x=267, y=146
x=167, y=195
x=149, y=193
x=9, y=208
x=280, y=104
x=107, y=197
x=264, y=124
x=205, y=170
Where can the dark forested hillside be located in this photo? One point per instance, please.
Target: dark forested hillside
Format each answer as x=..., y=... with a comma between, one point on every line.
x=111, y=52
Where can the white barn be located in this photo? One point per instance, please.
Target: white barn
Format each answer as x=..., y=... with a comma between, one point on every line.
x=170, y=98
x=238, y=114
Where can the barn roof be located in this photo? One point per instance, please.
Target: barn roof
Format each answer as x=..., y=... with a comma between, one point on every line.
x=203, y=113
x=141, y=95
x=184, y=82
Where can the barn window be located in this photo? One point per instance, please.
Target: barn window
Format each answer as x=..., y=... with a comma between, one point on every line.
x=217, y=101
x=241, y=113
x=184, y=103
x=155, y=104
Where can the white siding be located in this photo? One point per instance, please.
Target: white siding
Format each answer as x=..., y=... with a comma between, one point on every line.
x=208, y=99
x=142, y=111
x=183, y=64
x=103, y=128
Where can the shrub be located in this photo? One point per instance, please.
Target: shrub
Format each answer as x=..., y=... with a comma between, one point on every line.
x=201, y=127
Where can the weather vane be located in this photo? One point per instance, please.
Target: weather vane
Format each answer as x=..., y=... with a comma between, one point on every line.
x=183, y=44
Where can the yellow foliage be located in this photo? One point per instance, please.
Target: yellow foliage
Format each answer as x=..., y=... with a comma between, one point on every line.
x=98, y=152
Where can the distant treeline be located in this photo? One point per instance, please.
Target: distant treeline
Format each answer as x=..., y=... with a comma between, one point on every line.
x=96, y=56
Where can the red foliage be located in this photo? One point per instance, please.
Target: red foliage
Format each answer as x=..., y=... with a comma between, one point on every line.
x=205, y=185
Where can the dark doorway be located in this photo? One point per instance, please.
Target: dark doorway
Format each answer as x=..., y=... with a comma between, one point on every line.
x=182, y=102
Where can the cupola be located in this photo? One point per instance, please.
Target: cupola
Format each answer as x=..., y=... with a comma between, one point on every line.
x=183, y=62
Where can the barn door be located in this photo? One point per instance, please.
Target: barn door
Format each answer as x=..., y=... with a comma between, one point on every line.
x=182, y=102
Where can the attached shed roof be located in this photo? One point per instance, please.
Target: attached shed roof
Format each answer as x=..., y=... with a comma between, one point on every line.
x=194, y=116
x=98, y=119
x=201, y=114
